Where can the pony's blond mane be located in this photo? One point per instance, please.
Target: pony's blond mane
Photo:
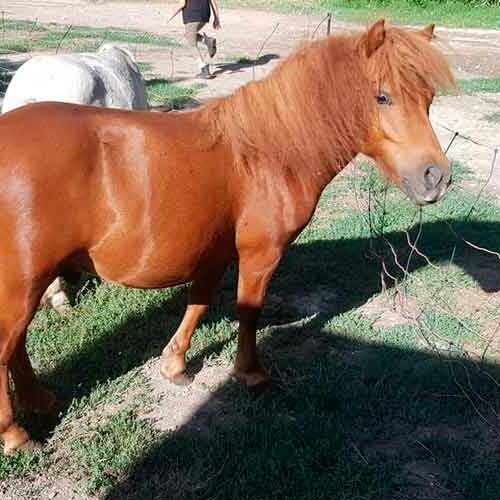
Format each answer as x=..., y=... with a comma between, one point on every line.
x=314, y=109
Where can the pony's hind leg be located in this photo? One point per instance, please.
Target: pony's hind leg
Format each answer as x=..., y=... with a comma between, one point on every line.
x=56, y=296
x=173, y=362
x=16, y=311
x=13, y=436
x=30, y=394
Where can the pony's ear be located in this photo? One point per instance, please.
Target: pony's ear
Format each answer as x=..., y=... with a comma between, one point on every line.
x=428, y=32
x=375, y=37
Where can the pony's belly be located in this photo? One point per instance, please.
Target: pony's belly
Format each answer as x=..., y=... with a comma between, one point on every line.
x=157, y=270
x=157, y=280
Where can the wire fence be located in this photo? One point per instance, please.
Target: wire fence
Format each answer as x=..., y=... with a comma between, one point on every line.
x=413, y=299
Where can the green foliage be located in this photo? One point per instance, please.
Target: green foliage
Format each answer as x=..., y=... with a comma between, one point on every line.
x=162, y=92
x=475, y=85
x=24, y=36
x=111, y=450
x=21, y=464
x=493, y=117
x=21, y=25
x=100, y=35
x=481, y=13
x=13, y=46
x=144, y=67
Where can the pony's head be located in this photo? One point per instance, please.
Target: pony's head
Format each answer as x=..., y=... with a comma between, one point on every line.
x=405, y=72
x=334, y=98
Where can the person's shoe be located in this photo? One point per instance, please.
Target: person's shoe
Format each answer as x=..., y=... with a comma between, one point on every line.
x=205, y=74
x=211, y=44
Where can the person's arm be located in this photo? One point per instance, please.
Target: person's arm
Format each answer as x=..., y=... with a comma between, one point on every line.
x=215, y=10
x=182, y=4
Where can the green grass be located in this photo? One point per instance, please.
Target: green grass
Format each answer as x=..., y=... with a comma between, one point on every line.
x=163, y=93
x=493, y=117
x=145, y=67
x=475, y=85
x=20, y=25
x=22, y=464
x=24, y=36
x=100, y=35
x=459, y=13
x=13, y=46
x=112, y=449
x=243, y=60
x=356, y=403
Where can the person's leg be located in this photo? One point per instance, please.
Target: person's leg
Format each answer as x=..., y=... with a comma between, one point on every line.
x=211, y=44
x=192, y=38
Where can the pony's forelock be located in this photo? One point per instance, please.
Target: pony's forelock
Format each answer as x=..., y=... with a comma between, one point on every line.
x=409, y=63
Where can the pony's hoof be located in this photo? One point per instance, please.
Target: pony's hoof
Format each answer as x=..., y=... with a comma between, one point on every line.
x=257, y=390
x=181, y=379
x=173, y=368
x=15, y=438
x=60, y=303
x=56, y=296
x=178, y=378
x=29, y=446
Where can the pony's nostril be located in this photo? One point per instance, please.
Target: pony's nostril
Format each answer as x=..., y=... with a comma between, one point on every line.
x=432, y=176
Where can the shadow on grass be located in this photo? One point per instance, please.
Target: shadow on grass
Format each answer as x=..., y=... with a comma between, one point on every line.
x=243, y=63
x=348, y=417
x=164, y=95
x=347, y=420
x=7, y=70
x=341, y=265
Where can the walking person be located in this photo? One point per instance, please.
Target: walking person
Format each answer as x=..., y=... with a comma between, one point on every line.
x=195, y=15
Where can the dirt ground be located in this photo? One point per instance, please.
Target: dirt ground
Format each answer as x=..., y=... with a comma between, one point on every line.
x=474, y=53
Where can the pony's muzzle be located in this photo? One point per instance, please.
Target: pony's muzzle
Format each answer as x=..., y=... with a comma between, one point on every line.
x=432, y=177
x=429, y=186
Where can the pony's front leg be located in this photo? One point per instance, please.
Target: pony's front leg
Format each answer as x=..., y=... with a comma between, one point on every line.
x=173, y=360
x=255, y=271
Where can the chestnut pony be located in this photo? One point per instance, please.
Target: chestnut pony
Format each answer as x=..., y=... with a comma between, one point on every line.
x=153, y=200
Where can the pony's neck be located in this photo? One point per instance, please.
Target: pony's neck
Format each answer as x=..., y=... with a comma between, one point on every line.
x=308, y=116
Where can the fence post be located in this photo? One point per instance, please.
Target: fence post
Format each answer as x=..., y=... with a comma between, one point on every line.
x=328, y=23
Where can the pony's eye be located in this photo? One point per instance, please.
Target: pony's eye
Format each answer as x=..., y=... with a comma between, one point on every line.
x=384, y=99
